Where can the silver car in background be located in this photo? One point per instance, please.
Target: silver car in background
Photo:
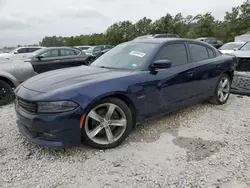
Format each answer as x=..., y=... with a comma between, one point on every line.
x=20, y=52
x=12, y=73
x=230, y=47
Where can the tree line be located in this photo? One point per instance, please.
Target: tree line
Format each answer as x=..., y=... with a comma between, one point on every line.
x=235, y=22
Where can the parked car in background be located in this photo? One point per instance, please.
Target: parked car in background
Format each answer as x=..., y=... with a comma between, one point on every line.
x=12, y=73
x=97, y=51
x=15, y=71
x=57, y=57
x=157, y=36
x=230, y=47
x=83, y=48
x=135, y=80
x=20, y=52
x=241, y=82
x=211, y=40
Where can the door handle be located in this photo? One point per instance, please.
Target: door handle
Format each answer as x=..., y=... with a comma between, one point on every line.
x=56, y=60
x=190, y=74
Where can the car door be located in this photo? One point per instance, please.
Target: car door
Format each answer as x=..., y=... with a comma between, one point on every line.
x=173, y=86
x=204, y=69
x=69, y=58
x=46, y=61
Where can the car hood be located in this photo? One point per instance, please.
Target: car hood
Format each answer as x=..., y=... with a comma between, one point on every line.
x=71, y=78
x=226, y=51
x=242, y=53
x=4, y=55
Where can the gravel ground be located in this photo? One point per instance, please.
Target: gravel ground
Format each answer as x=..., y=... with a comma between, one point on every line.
x=202, y=146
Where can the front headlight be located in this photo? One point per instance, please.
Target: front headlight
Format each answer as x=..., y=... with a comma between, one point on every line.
x=56, y=107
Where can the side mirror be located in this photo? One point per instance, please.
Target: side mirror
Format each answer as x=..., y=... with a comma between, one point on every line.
x=39, y=57
x=235, y=49
x=161, y=64
x=15, y=52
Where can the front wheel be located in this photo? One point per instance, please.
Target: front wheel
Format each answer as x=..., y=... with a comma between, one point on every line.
x=107, y=124
x=6, y=93
x=222, y=91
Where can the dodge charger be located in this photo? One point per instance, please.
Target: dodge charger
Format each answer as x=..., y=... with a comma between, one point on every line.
x=101, y=103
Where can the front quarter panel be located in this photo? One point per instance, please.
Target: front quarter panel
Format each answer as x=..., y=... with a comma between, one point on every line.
x=130, y=86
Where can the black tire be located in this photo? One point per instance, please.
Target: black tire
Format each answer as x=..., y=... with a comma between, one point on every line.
x=215, y=99
x=8, y=96
x=127, y=131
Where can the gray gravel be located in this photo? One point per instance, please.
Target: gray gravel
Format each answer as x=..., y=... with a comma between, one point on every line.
x=203, y=146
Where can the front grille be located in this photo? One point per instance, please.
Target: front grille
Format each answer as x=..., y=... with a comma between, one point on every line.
x=244, y=83
x=27, y=106
x=243, y=64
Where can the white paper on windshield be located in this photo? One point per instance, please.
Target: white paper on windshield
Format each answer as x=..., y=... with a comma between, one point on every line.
x=138, y=54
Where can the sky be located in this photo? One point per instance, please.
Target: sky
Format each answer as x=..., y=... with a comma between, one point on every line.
x=28, y=21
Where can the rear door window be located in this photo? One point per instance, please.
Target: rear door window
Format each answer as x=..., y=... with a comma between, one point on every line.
x=198, y=52
x=30, y=50
x=66, y=52
x=51, y=53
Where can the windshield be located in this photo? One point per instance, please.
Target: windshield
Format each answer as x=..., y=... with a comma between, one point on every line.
x=12, y=51
x=245, y=47
x=126, y=56
x=35, y=53
x=90, y=50
x=230, y=46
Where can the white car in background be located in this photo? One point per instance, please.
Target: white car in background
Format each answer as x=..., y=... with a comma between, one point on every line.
x=83, y=48
x=230, y=47
x=20, y=52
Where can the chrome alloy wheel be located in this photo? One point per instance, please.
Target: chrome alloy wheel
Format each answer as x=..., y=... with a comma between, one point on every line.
x=105, y=124
x=223, y=89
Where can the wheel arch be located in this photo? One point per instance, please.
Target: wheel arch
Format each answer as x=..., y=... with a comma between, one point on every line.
x=120, y=95
x=7, y=80
x=229, y=73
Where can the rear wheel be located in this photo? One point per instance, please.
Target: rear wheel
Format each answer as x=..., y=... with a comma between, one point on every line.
x=107, y=124
x=222, y=91
x=6, y=93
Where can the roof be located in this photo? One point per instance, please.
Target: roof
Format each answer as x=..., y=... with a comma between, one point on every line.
x=162, y=40
x=62, y=47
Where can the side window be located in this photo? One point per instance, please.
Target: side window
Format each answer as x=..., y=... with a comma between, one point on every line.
x=198, y=52
x=210, y=52
x=22, y=50
x=208, y=41
x=66, y=52
x=97, y=49
x=77, y=52
x=51, y=53
x=175, y=52
x=30, y=50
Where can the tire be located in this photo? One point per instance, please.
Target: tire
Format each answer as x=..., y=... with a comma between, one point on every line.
x=216, y=99
x=101, y=140
x=6, y=93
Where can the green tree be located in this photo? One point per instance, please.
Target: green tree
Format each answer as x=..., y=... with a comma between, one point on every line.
x=236, y=22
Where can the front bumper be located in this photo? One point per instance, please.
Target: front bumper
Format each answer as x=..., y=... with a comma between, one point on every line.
x=241, y=83
x=58, y=130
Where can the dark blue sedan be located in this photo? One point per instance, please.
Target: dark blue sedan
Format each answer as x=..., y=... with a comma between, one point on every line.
x=99, y=104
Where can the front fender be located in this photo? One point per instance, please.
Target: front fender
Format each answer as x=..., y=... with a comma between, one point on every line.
x=105, y=95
